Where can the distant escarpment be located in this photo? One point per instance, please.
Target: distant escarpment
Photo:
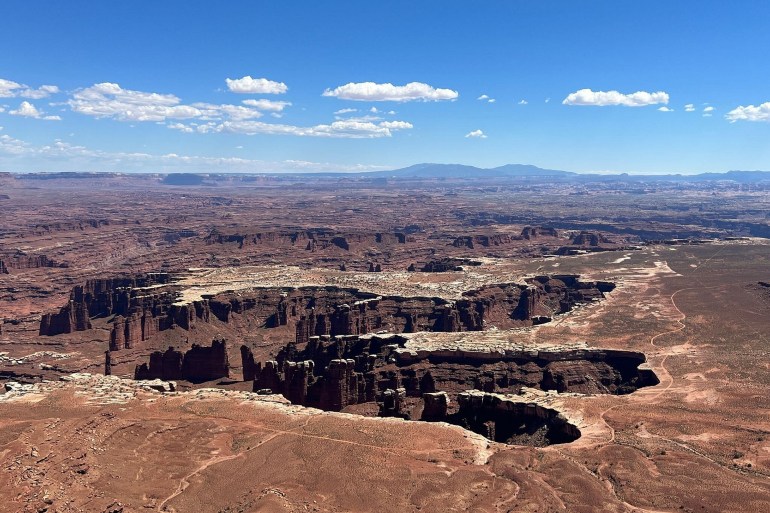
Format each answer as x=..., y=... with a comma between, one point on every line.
x=22, y=260
x=311, y=240
x=315, y=311
x=499, y=239
x=140, y=307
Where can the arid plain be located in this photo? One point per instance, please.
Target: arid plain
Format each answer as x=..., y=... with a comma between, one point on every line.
x=411, y=345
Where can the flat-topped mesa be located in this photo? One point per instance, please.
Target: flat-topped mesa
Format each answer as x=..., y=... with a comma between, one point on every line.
x=197, y=365
x=21, y=260
x=310, y=240
x=533, y=232
x=448, y=265
x=316, y=311
x=500, y=239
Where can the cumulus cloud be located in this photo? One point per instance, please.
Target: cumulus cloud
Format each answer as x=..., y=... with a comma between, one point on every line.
x=41, y=92
x=476, y=134
x=108, y=100
x=11, y=89
x=213, y=111
x=491, y=100
x=396, y=125
x=665, y=109
x=345, y=111
x=689, y=107
x=28, y=110
x=750, y=113
x=370, y=91
x=608, y=98
x=356, y=128
x=547, y=100
x=708, y=109
x=523, y=102
x=248, y=85
x=267, y=105
x=483, y=97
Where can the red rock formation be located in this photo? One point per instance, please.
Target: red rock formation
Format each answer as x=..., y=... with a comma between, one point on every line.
x=71, y=317
x=197, y=365
x=533, y=232
x=586, y=238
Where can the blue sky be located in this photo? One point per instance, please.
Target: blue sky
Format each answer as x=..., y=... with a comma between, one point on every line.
x=607, y=85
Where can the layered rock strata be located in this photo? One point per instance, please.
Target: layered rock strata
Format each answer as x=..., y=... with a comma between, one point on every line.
x=197, y=365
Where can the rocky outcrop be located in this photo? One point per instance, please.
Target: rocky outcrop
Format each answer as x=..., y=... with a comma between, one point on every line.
x=586, y=238
x=447, y=265
x=23, y=261
x=435, y=406
x=317, y=311
x=534, y=232
x=140, y=309
x=514, y=422
x=485, y=241
x=71, y=317
x=197, y=365
x=332, y=373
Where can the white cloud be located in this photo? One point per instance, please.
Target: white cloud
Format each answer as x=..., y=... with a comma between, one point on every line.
x=689, y=107
x=41, y=92
x=608, y=98
x=708, y=109
x=370, y=91
x=396, y=125
x=267, y=105
x=523, y=102
x=248, y=85
x=750, y=113
x=665, y=109
x=355, y=128
x=374, y=110
x=11, y=89
x=391, y=112
x=181, y=127
x=8, y=88
x=478, y=134
x=345, y=111
x=28, y=110
x=108, y=100
x=483, y=97
x=212, y=111
x=547, y=100
x=491, y=100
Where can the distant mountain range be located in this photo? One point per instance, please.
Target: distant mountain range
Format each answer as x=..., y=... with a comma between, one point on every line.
x=426, y=171
x=460, y=171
